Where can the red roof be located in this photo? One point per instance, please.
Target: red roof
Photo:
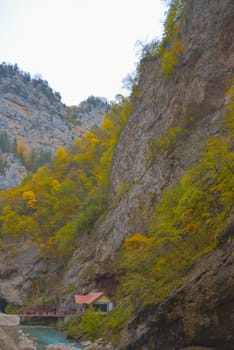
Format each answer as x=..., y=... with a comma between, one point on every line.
x=88, y=298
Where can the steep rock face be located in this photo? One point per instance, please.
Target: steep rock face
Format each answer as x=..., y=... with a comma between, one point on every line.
x=196, y=89
x=193, y=99
x=140, y=172
x=24, y=272
x=33, y=119
x=13, y=171
x=199, y=313
x=32, y=116
x=89, y=113
x=31, y=113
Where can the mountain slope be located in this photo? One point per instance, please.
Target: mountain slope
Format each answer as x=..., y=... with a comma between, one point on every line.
x=34, y=123
x=190, y=105
x=173, y=118
x=161, y=244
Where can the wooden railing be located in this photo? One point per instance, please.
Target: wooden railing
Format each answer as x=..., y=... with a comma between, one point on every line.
x=48, y=314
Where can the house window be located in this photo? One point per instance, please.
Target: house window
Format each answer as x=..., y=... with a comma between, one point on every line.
x=100, y=307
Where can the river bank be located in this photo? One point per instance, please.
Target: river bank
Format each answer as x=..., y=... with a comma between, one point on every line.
x=12, y=338
x=16, y=337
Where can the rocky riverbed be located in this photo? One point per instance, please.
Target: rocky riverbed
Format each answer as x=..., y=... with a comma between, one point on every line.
x=11, y=338
x=60, y=347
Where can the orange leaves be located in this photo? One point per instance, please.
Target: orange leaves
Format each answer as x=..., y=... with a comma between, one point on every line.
x=69, y=194
x=54, y=185
x=136, y=241
x=30, y=198
x=184, y=226
x=20, y=148
x=60, y=155
x=17, y=225
x=23, y=153
x=92, y=138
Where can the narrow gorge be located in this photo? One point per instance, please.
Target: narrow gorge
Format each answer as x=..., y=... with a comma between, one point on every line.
x=140, y=207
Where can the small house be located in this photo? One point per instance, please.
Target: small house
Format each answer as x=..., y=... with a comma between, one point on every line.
x=99, y=300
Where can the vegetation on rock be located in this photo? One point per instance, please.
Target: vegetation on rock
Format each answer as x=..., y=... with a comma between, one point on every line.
x=185, y=223
x=65, y=198
x=170, y=48
x=93, y=325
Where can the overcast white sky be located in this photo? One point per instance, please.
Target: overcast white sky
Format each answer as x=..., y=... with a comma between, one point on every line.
x=81, y=47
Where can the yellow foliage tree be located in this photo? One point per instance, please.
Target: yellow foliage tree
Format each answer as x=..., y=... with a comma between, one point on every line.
x=60, y=158
x=20, y=148
x=170, y=57
x=184, y=226
x=10, y=220
x=135, y=241
x=29, y=197
x=54, y=185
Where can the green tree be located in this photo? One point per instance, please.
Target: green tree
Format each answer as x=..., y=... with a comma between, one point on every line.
x=89, y=326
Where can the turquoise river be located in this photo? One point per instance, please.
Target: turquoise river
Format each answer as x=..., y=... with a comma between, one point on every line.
x=46, y=336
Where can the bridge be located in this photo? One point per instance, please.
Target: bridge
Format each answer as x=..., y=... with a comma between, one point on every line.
x=49, y=314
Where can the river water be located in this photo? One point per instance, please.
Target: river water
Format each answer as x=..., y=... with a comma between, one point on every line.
x=46, y=336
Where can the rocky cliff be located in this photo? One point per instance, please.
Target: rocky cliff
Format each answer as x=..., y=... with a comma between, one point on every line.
x=196, y=89
x=197, y=314
x=20, y=267
x=34, y=123
x=185, y=108
x=194, y=95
